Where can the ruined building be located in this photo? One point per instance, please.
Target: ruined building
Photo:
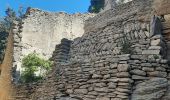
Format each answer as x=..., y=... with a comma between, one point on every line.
x=120, y=54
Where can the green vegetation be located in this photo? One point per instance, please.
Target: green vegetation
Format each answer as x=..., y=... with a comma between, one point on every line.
x=96, y=6
x=5, y=26
x=31, y=64
x=3, y=40
x=6, y=23
x=126, y=46
x=11, y=17
x=156, y=56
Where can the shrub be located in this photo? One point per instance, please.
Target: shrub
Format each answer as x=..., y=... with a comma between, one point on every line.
x=31, y=64
x=126, y=46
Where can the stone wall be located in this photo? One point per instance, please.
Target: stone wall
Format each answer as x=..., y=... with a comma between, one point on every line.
x=17, y=50
x=40, y=31
x=61, y=53
x=118, y=58
x=162, y=7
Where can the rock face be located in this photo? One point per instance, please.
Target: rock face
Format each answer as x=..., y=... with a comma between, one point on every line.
x=41, y=31
x=98, y=66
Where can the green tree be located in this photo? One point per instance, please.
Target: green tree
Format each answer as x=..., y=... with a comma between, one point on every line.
x=10, y=16
x=3, y=25
x=96, y=6
x=31, y=64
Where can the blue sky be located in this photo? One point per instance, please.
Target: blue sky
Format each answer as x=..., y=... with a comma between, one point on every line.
x=69, y=6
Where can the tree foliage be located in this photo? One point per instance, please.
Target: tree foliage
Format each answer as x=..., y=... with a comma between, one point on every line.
x=4, y=26
x=31, y=64
x=7, y=22
x=10, y=17
x=96, y=6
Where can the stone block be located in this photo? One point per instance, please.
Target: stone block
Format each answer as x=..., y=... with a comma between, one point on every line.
x=125, y=80
x=111, y=85
x=138, y=72
x=123, y=90
x=157, y=74
x=123, y=67
x=80, y=91
x=155, y=42
x=151, y=52
x=155, y=48
x=100, y=84
x=137, y=77
x=123, y=74
x=96, y=76
x=102, y=89
x=148, y=69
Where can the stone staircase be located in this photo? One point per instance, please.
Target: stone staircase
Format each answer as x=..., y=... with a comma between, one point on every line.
x=166, y=35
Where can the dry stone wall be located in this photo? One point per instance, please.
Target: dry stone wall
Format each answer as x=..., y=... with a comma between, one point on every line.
x=118, y=58
x=162, y=7
x=61, y=53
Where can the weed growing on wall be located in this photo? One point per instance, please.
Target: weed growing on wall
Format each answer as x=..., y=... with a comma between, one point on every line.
x=126, y=46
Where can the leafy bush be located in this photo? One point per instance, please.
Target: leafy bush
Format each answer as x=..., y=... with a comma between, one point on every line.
x=31, y=64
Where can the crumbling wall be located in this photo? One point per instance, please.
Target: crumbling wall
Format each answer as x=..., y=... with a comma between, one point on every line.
x=40, y=31
x=101, y=68
x=61, y=53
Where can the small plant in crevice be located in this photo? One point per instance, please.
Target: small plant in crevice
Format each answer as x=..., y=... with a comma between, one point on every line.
x=126, y=46
x=35, y=68
x=156, y=56
x=58, y=73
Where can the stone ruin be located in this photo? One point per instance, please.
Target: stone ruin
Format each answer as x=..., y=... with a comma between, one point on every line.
x=122, y=55
x=40, y=31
